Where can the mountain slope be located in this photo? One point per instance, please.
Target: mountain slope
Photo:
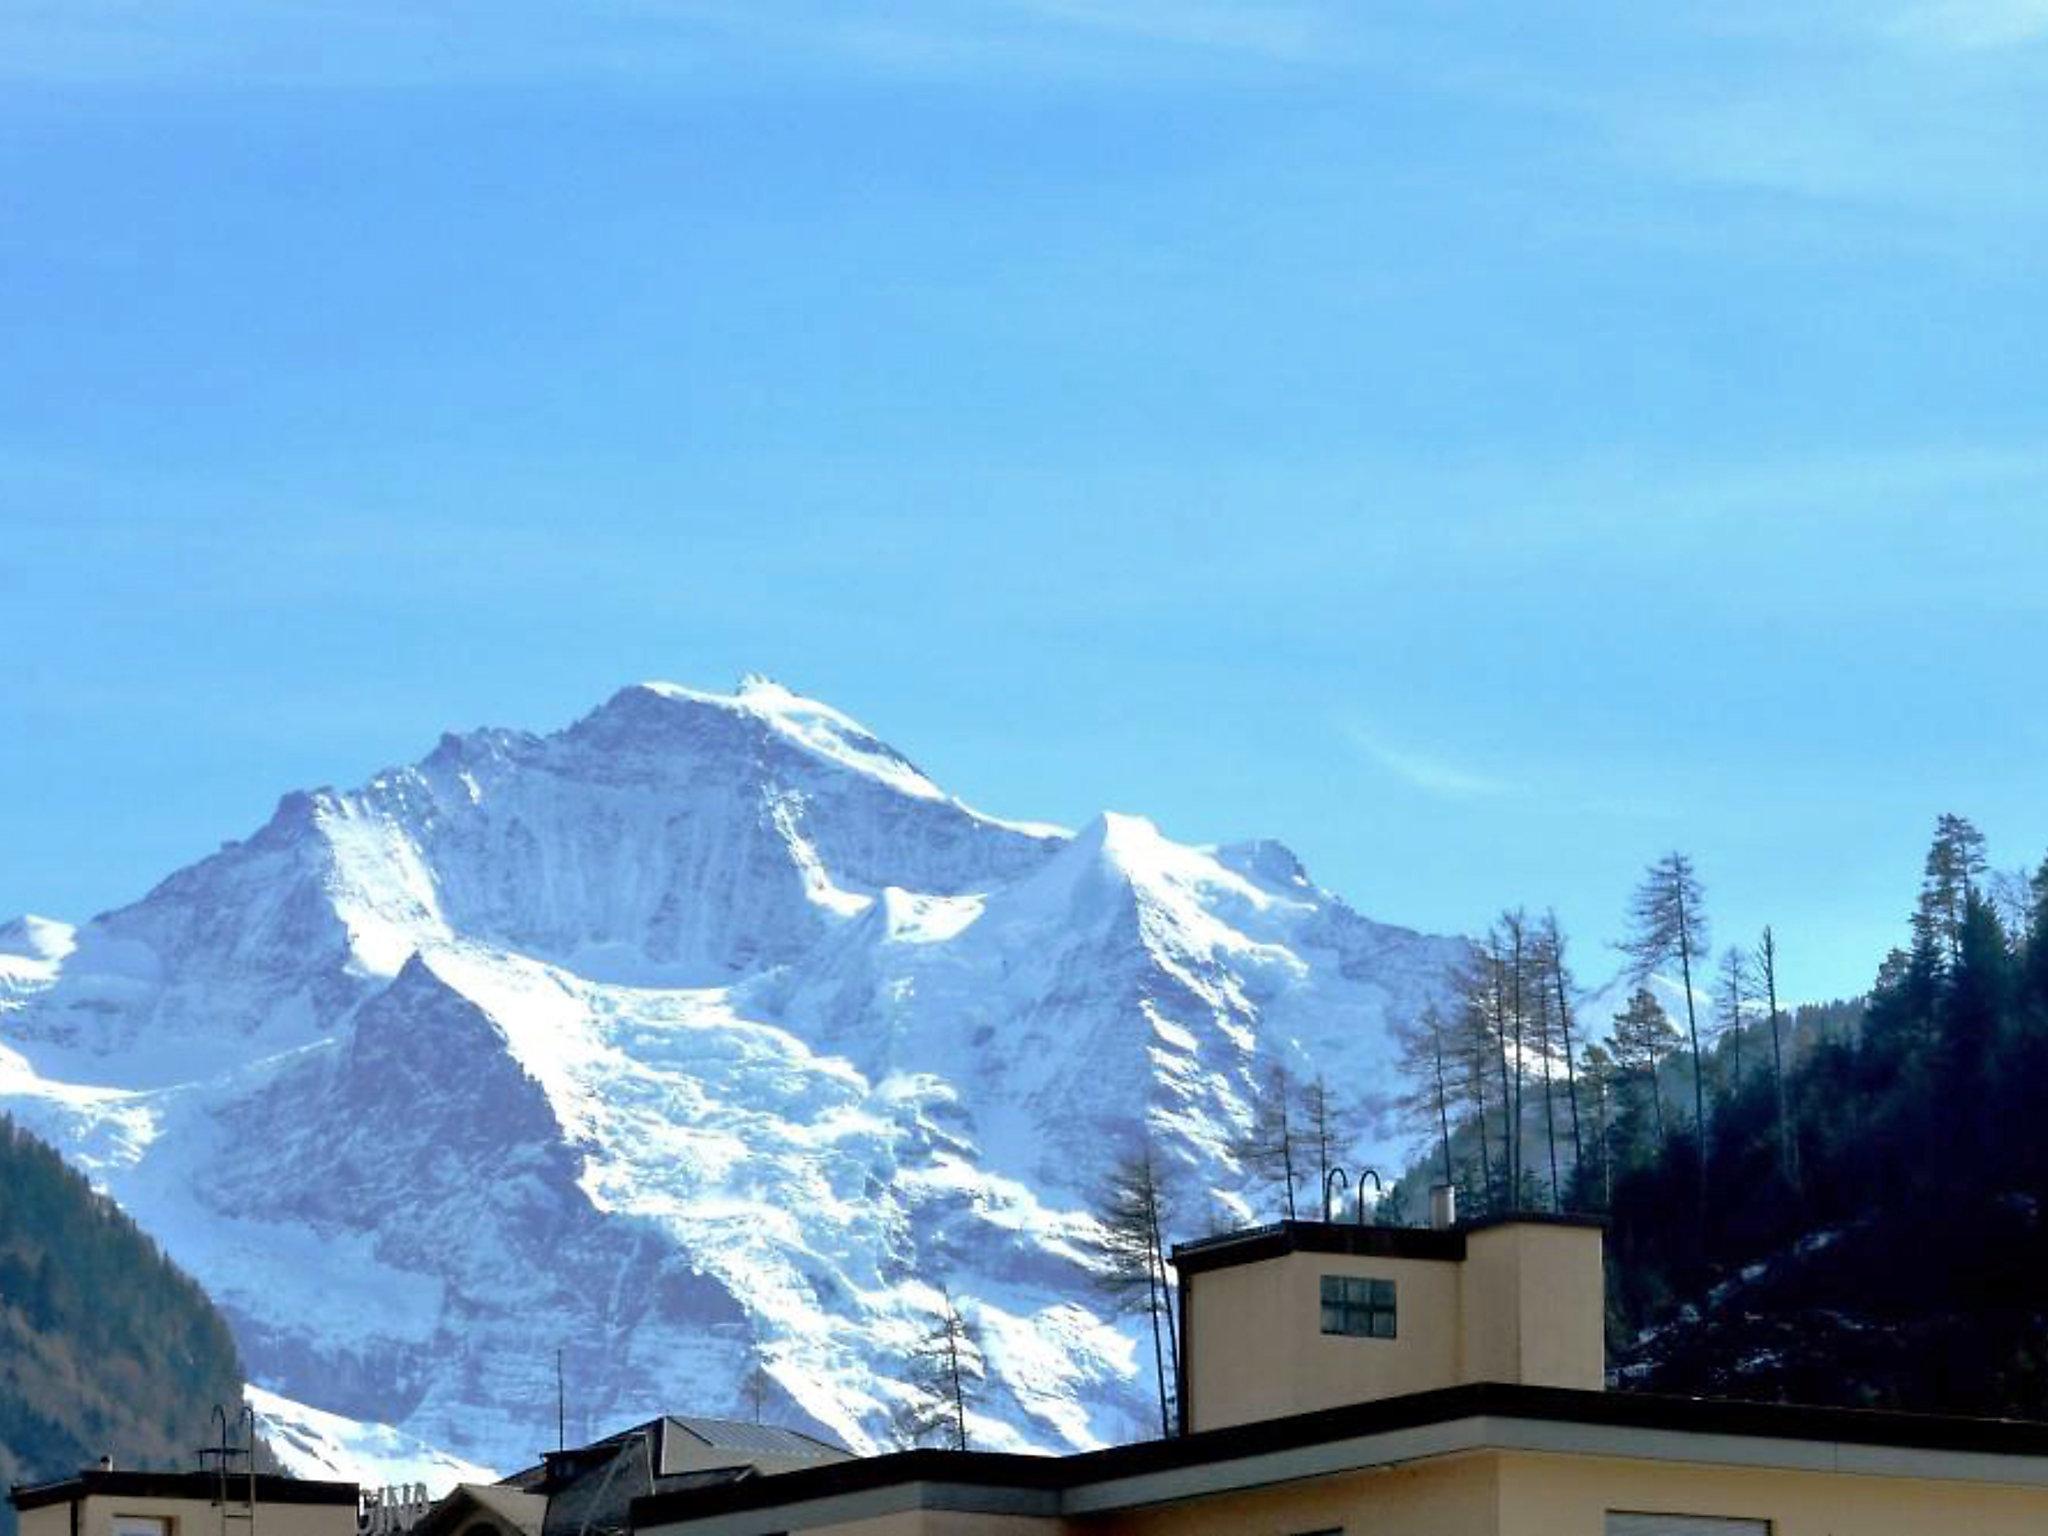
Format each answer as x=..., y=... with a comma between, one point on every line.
x=707, y=1030
x=104, y=1345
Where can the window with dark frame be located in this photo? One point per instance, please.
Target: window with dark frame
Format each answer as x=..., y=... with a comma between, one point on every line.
x=1358, y=1307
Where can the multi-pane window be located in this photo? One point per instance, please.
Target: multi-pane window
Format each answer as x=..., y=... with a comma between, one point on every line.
x=1358, y=1306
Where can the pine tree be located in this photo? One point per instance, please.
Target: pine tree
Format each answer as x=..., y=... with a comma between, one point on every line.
x=1767, y=973
x=1643, y=1036
x=1978, y=997
x=2033, y=978
x=1600, y=1073
x=947, y=1372
x=1543, y=1035
x=1668, y=921
x=1733, y=985
x=1473, y=1040
x=1272, y=1146
x=1494, y=991
x=1953, y=873
x=756, y=1388
x=1327, y=1124
x=1426, y=1069
x=1481, y=1044
x=1515, y=925
x=1133, y=1216
x=1561, y=992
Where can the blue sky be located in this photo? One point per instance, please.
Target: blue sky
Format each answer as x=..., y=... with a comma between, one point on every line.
x=1484, y=446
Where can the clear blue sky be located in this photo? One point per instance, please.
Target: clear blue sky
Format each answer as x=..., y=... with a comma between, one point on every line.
x=1483, y=445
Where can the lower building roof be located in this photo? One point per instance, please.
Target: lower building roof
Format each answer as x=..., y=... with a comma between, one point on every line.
x=1472, y=1417
x=180, y=1485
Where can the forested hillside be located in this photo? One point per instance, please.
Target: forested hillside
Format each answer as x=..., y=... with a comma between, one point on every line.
x=105, y=1346
x=1863, y=1220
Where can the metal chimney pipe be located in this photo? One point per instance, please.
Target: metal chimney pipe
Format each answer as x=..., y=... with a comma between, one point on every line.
x=1443, y=1206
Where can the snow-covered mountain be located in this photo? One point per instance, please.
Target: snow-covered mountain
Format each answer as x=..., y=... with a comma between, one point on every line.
x=706, y=1031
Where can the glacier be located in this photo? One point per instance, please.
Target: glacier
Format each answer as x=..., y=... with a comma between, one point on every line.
x=705, y=1033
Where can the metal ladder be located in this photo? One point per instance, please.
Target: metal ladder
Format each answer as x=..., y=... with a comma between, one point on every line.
x=234, y=1469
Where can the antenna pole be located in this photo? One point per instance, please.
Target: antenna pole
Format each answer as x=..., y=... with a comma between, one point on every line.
x=561, y=1406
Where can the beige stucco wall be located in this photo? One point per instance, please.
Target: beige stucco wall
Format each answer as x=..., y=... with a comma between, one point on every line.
x=1524, y=1305
x=1532, y=1307
x=1456, y=1496
x=190, y=1517
x=1571, y=1495
x=1257, y=1349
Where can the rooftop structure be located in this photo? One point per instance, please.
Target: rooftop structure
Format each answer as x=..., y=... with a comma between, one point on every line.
x=1358, y=1381
x=586, y=1490
x=1349, y=1313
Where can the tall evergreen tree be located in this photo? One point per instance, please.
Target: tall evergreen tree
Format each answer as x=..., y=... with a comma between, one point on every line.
x=1561, y=990
x=1976, y=1002
x=2033, y=978
x=1954, y=871
x=1600, y=1072
x=1668, y=921
x=1733, y=985
x=1642, y=1037
x=1766, y=967
x=1494, y=992
x=1543, y=1036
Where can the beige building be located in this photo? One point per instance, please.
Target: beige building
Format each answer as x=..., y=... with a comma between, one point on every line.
x=1348, y=1381
x=111, y=1503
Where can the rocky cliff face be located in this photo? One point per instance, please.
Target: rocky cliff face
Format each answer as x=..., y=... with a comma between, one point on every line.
x=705, y=1031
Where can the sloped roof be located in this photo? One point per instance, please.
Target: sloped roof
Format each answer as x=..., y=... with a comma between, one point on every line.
x=518, y=1510
x=755, y=1439
x=515, y=1509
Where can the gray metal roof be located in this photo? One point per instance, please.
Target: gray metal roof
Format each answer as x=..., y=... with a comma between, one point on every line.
x=755, y=1439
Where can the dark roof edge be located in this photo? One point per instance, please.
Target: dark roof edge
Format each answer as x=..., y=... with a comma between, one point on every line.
x=1624, y=1410
x=1285, y=1237
x=1535, y=1219
x=270, y=1489
x=1441, y=1244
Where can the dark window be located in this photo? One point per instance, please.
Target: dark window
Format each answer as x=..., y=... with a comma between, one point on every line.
x=1362, y=1308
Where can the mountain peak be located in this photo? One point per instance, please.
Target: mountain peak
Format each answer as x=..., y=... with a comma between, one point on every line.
x=709, y=1023
x=822, y=733
x=29, y=937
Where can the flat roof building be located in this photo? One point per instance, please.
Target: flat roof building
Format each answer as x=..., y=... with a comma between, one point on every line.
x=104, y=1502
x=1348, y=1381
